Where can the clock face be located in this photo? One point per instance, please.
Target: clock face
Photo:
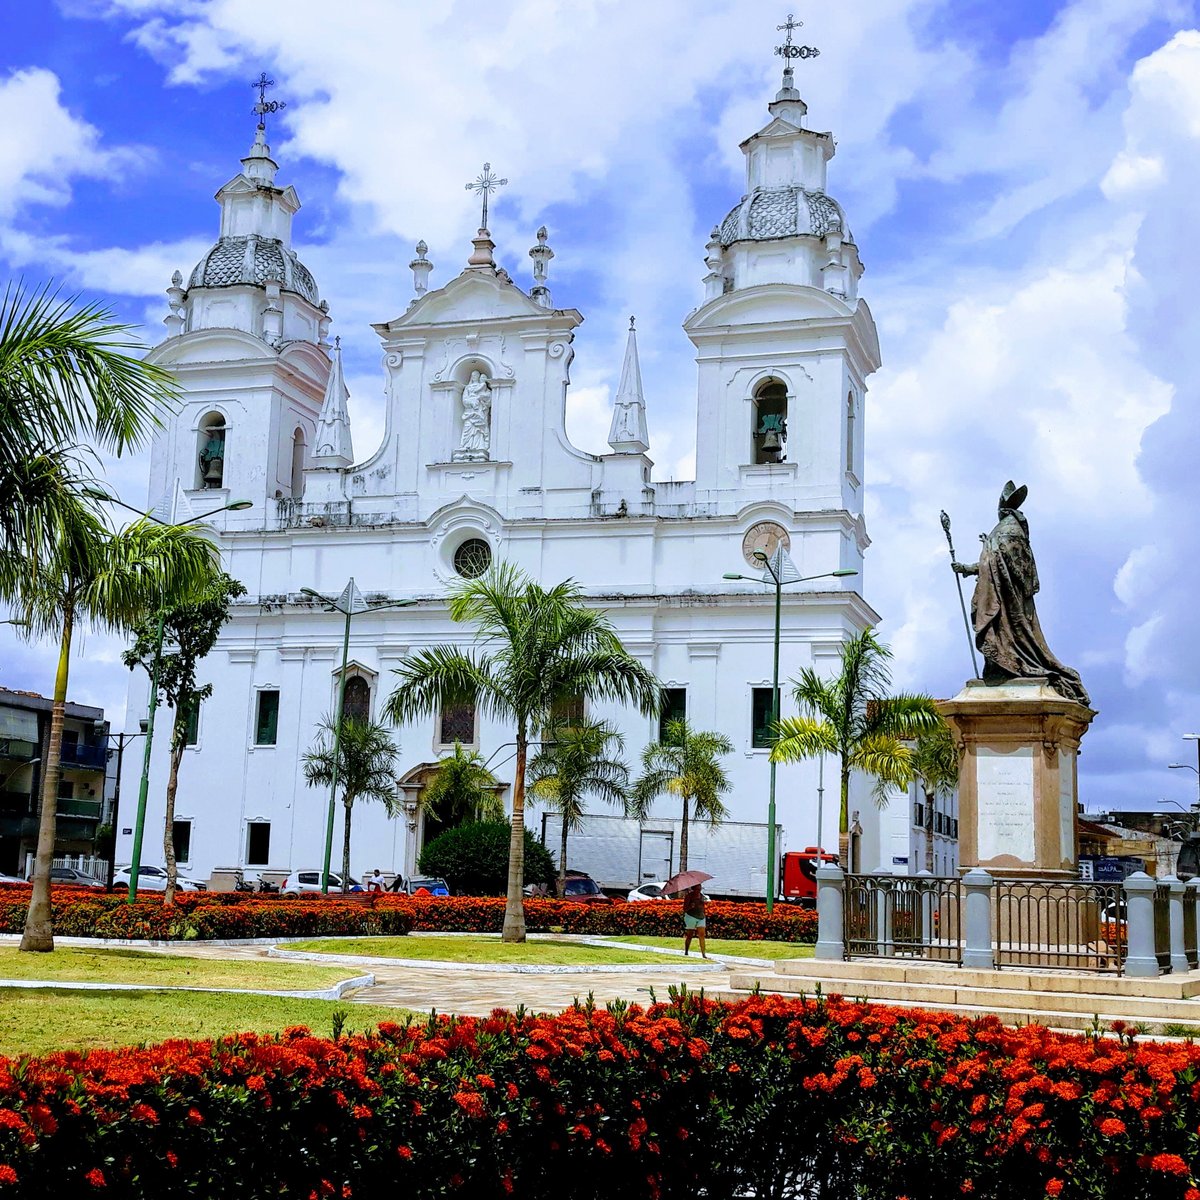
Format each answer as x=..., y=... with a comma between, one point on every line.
x=766, y=537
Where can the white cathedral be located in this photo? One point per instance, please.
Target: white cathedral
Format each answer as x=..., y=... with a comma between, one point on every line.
x=475, y=466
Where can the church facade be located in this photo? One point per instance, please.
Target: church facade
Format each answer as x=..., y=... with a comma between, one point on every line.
x=475, y=466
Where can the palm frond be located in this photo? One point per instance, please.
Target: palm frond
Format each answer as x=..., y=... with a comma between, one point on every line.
x=799, y=738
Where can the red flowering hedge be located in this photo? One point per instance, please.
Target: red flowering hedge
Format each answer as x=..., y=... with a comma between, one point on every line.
x=770, y=1097
x=206, y=915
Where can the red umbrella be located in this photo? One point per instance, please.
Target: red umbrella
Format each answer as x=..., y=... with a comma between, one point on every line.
x=683, y=881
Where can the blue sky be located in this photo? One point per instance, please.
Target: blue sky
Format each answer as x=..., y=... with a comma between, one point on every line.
x=1020, y=178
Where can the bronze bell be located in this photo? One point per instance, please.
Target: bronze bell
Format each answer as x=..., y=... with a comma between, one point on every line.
x=772, y=448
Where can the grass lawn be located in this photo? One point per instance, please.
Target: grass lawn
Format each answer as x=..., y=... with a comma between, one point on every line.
x=486, y=948
x=118, y=965
x=38, y=1022
x=763, y=949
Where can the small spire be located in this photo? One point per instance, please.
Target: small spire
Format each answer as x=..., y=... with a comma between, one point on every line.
x=628, y=434
x=420, y=267
x=333, y=446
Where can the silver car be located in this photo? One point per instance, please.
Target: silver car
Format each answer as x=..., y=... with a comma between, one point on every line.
x=154, y=879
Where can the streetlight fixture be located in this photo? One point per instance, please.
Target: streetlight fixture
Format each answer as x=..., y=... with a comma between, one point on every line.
x=16, y=621
x=775, y=572
x=350, y=602
x=139, y=826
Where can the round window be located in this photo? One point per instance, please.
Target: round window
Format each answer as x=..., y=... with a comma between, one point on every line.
x=472, y=558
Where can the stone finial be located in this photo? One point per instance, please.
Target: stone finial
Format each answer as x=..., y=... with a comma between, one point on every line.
x=174, y=320
x=714, y=282
x=481, y=256
x=420, y=267
x=541, y=255
x=628, y=434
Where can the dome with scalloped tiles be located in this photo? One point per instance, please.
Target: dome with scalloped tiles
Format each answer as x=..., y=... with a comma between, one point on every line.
x=254, y=260
x=783, y=212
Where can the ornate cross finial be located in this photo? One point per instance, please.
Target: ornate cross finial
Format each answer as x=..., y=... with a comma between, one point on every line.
x=485, y=183
x=787, y=50
x=264, y=105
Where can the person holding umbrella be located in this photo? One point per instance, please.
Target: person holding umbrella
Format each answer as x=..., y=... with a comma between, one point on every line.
x=694, y=901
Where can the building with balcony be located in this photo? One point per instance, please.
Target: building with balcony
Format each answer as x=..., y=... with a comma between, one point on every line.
x=24, y=744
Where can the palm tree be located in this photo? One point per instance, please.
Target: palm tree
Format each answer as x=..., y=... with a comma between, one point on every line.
x=853, y=716
x=684, y=764
x=576, y=761
x=69, y=386
x=110, y=581
x=461, y=791
x=365, y=767
x=191, y=631
x=535, y=647
x=936, y=767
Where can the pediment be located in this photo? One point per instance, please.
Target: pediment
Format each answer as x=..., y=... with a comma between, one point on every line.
x=776, y=127
x=768, y=303
x=475, y=295
x=211, y=346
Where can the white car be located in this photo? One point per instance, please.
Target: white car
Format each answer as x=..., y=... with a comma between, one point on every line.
x=647, y=891
x=300, y=882
x=154, y=879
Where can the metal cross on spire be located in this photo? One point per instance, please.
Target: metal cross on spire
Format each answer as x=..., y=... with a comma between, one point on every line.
x=264, y=105
x=787, y=50
x=485, y=183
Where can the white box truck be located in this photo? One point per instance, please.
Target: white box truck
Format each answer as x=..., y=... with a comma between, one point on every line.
x=620, y=853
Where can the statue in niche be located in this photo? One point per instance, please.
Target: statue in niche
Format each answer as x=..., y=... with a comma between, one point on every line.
x=476, y=421
x=1007, y=630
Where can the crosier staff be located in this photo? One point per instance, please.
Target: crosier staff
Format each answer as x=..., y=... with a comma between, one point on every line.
x=961, y=598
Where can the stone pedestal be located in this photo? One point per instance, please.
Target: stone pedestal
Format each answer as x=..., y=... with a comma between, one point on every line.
x=1017, y=792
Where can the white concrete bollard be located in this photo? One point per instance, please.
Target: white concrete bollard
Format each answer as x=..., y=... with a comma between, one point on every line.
x=977, y=920
x=830, y=932
x=1141, y=961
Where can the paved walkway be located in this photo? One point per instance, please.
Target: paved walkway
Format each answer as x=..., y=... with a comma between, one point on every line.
x=448, y=988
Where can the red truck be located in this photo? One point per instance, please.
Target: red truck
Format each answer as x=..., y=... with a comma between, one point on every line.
x=799, y=874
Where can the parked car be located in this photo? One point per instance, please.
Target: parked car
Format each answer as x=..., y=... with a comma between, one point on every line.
x=154, y=879
x=11, y=879
x=305, y=882
x=71, y=876
x=582, y=888
x=647, y=891
x=429, y=884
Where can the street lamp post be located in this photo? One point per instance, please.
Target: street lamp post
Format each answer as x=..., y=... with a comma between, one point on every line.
x=122, y=738
x=773, y=570
x=349, y=602
x=1192, y=737
x=139, y=825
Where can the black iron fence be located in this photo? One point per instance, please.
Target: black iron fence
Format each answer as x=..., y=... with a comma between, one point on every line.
x=903, y=916
x=1059, y=924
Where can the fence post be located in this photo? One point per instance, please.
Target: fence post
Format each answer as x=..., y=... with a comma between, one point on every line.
x=1141, y=960
x=885, y=915
x=1191, y=926
x=978, y=952
x=1179, y=961
x=830, y=930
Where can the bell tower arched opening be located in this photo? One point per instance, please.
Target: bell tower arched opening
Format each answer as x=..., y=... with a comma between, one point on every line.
x=211, y=451
x=768, y=426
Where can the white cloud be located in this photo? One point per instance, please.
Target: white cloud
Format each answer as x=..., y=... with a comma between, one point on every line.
x=44, y=146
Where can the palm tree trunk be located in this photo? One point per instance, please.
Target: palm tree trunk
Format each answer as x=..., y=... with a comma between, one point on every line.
x=39, y=920
x=929, y=801
x=844, y=821
x=514, y=907
x=562, y=859
x=178, y=736
x=348, y=799
x=683, y=836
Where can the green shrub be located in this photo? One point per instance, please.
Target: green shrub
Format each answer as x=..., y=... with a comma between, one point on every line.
x=473, y=859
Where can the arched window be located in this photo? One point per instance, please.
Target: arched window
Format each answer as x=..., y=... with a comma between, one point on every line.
x=356, y=701
x=211, y=450
x=298, y=464
x=769, y=423
x=850, y=438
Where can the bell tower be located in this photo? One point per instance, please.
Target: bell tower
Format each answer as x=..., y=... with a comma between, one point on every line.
x=246, y=340
x=783, y=343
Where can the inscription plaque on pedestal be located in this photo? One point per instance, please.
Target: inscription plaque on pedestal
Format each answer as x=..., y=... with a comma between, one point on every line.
x=1066, y=804
x=1005, y=803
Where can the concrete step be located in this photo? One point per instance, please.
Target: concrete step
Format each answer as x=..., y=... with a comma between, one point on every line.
x=1003, y=1001
x=1168, y=987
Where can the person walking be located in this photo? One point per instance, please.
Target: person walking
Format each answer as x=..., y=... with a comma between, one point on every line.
x=375, y=883
x=693, y=919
